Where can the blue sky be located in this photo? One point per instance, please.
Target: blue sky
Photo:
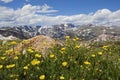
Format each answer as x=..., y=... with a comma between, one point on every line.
x=69, y=7
x=67, y=11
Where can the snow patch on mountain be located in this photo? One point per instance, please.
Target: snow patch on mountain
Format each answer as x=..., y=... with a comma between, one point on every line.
x=7, y=38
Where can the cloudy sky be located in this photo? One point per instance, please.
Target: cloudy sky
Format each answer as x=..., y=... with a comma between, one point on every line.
x=49, y=12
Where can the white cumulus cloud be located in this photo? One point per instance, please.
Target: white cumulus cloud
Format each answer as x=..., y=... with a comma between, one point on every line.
x=6, y=1
x=34, y=15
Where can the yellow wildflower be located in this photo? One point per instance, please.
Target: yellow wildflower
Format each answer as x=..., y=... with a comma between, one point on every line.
x=38, y=55
x=105, y=47
x=30, y=50
x=74, y=39
x=77, y=47
x=100, y=53
x=1, y=66
x=93, y=55
x=14, y=75
x=87, y=63
x=15, y=57
x=9, y=52
x=62, y=77
x=100, y=70
x=64, y=63
x=52, y=55
x=44, y=42
x=13, y=43
x=81, y=66
x=42, y=77
x=3, y=57
x=17, y=52
x=38, y=68
x=24, y=41
x=63, y=49
x=25, y=67
x=67, y=37
x=10, y=66
x=77, y=38
x=28, y=64
x=35, y=62
x=16, y=79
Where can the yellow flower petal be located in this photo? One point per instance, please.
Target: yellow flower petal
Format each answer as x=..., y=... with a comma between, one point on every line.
x=35, y=62
x=42, y=77
x=64, y=63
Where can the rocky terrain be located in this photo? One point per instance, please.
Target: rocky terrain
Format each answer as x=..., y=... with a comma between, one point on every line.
x=20, y=32
x=85, y=32
x=38, y=43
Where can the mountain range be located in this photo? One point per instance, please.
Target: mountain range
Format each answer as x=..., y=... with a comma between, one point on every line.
x=59, y=31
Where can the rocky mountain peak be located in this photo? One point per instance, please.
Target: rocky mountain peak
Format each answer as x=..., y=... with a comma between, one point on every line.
x=59, y=31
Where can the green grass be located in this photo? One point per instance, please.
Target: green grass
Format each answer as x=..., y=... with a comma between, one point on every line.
x=64, y=62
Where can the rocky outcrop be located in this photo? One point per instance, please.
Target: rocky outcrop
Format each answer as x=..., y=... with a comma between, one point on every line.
x=39, y=43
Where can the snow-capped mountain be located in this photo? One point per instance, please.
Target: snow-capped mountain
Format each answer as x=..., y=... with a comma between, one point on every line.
x=20, y=32
x=7, y=38
x=86, y=32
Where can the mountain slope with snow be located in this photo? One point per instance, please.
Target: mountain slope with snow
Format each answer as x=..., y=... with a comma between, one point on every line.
x=86, y=32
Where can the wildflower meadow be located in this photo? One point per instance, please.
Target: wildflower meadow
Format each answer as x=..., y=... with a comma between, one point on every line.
x=69, y=61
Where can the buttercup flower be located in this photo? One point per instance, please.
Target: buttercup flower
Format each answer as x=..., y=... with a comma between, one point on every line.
x=38, y=55
x=105, y=47
x=30, y=50
x=77, y=47
x=14, y=75
x=100, y=53
x=24, y=41
x=9, y=52
x=35, y=62
x=75, y=39
x=42, y=77
x=64, y=63
x=52, y=55
x=2, y=57
x=10, y=66
x=16, y=79
x=62, y=77
x=13, y=43
x=87, y=63
x=25, y=67
x=67, y=37
x=44, y=42
x=62, y=49
x=15, y=57
x=93, y=55
x=1, y=66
